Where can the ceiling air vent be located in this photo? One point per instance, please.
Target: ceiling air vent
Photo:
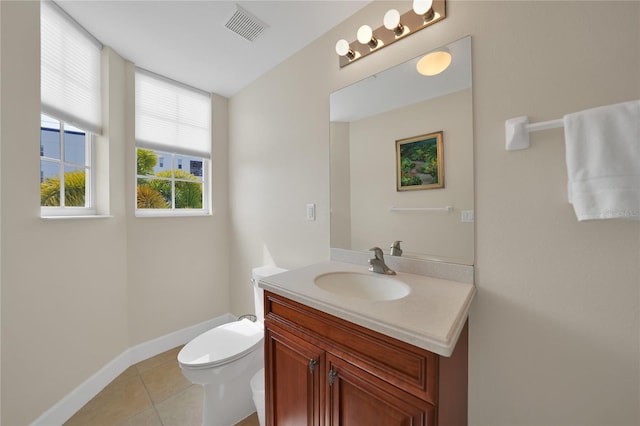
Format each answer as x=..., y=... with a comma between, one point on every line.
x=245, y=24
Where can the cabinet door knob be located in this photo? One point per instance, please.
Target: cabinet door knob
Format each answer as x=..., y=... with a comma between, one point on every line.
x=332, y=376
x=312, y=365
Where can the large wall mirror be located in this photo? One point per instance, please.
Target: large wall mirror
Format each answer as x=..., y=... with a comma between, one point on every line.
x=368, y=208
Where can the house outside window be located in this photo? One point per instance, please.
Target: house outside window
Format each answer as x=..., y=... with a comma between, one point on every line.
x=195, y=167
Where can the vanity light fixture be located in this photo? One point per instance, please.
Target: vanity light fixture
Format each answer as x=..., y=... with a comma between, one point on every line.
x=395, y=26
x=433, y=63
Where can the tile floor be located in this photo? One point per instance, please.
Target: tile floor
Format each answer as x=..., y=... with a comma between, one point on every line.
x=151, y=393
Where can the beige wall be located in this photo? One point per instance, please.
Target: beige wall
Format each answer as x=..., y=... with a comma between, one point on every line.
x=63, y=281
x=373, y=180
x=77, y=293
x=554, y=329
x=177, y=269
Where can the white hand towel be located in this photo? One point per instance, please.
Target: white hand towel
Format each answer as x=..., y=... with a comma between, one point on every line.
x=603, y=161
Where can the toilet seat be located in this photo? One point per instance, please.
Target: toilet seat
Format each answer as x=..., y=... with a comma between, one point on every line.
x=221, y=345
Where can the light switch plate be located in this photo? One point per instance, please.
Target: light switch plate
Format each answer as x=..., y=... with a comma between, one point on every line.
x=467, y=216
x=311, y=212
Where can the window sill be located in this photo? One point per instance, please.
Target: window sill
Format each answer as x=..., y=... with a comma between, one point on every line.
x=88, y=216
x=172, y=213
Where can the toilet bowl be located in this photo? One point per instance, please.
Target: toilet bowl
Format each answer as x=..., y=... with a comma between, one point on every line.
x=226, y=360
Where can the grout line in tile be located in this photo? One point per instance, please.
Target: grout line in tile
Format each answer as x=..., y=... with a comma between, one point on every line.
x=144, y=385
x=147, y=391
x=153, y=403
x=159, y=416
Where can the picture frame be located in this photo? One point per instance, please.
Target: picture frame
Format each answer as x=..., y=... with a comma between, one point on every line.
x=420, y=162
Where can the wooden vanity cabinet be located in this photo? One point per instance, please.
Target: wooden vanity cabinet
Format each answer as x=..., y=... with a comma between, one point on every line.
x=294, y=379
x=325, y=371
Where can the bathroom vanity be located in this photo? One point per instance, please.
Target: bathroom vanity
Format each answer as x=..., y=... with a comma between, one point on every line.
x=380, y=358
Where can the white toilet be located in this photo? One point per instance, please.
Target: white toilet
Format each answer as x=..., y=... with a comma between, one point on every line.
x=228, y=360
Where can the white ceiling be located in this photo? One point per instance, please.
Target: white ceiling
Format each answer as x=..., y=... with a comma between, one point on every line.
x=188, y=42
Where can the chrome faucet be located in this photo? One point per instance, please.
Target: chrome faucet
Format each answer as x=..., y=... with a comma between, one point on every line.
x=395, y=249
x=377, y=263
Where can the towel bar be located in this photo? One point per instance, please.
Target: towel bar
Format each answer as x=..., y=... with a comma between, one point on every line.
x=421, y=209
x=517, y=131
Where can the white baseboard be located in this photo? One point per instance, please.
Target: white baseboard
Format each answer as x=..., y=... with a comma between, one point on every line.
x=168, y=341
x=70, y=404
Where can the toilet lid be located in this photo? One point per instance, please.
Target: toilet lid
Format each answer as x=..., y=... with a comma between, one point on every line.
x=221, y=345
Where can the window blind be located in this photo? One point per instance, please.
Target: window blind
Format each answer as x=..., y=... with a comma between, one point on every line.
x=171, y=116
x=70, y=64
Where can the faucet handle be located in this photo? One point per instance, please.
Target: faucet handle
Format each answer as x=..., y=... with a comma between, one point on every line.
x=395, y=249
x=377, y=251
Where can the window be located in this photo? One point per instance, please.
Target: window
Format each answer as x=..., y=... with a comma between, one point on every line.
x=70, y=83
x=173, y=129
x=167, y=189
x=65, y=166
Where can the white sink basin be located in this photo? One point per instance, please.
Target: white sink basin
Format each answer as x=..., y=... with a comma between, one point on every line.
x=362, y=286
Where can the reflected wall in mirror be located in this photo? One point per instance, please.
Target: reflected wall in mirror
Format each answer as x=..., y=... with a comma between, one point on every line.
x=366, y=120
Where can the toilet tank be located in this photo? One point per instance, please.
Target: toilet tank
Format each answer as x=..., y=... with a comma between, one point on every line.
x=258, y=293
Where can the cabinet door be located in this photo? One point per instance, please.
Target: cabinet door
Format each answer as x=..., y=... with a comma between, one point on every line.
x=356, y=398
x=293, y=388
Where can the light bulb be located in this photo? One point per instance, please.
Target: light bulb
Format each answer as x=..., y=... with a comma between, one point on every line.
x=392, y=22
x=421, y=7
x=391, y=19
x=342, y=47
x=434, y=63
x=365, y=36
x=365, y=33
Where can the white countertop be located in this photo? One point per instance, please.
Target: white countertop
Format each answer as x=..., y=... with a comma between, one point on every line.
x=430, y=317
